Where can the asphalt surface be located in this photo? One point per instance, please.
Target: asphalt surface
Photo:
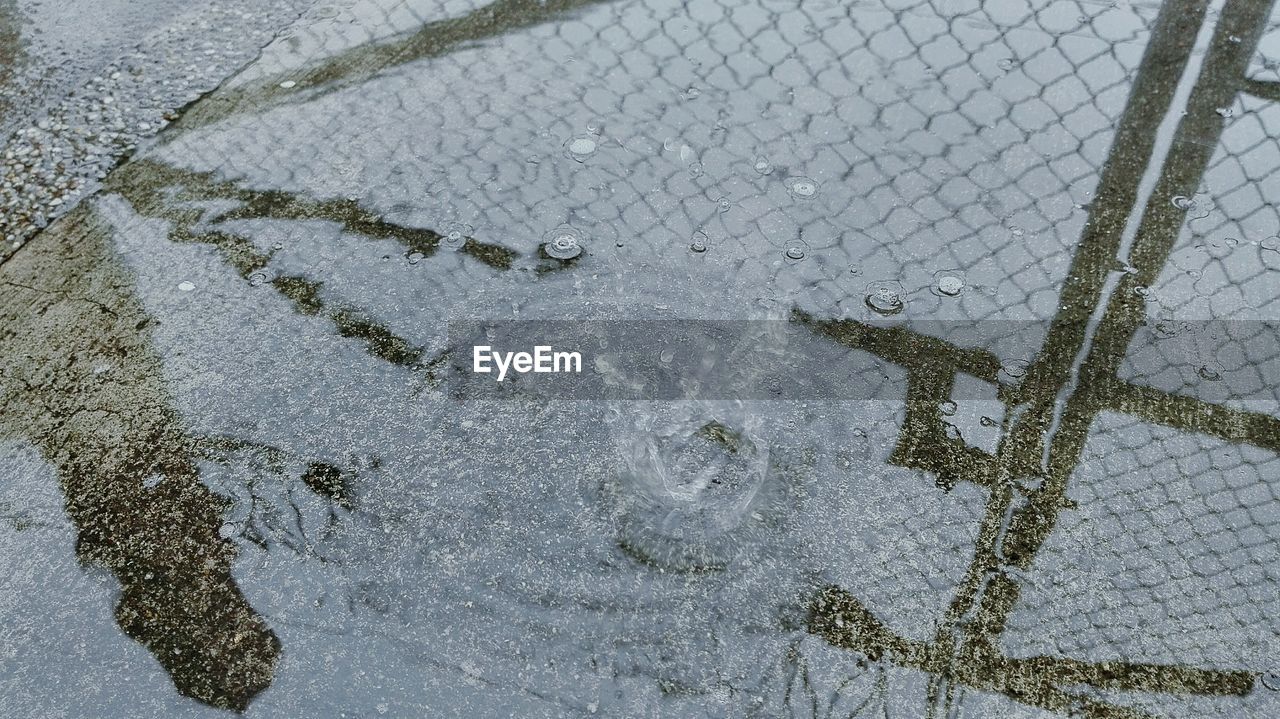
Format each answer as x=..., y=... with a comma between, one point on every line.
x=82, y=83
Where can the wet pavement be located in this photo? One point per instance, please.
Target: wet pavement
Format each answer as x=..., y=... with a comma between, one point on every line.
x=1036, y=239
x=82, y=82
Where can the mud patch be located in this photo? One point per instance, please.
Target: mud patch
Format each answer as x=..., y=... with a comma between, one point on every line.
x=83, y=385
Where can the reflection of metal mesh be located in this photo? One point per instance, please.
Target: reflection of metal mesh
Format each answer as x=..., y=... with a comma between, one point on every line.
x=939, y=136
x=938, y=141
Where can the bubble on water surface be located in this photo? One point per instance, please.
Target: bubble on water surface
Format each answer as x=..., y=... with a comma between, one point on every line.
x=802, y=188
x=186, y=286
x=1013, y=370
x=1271, y=680
x=257, y=279
x=948, y=283
x=885, y=297
x=563, y=243
x=698, y=243
x=581, y=147
x=454, y=235
x=762, y=165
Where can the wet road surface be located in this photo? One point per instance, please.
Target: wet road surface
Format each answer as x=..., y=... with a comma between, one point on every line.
x=1039, y=240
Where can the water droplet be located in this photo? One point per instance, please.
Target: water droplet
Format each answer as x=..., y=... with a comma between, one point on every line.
x=986, y=421
x=691, y=93
x=885, y=297
x=414, y=257
x=802, y=188
x=595, y=126
x=1142, y=291
x=1271, y=680
x=762, y=165
x=1224, y=111
x=723, y=204
x=692, y=483
x=695, y=169
x=288, y=84
x=1005, y=63
x=795, y=252
x=186, y=286
x=257, y=279
x=1208, y=373
x=1233, y=39
x=698, y=243
x=1014, y=369
x=855, y=270
x=666, y=357
x=948, y=283
x=278, y=246
x=1016, y=231
x=563, y=243
x=947, y=408
x=1182, y=202
x=581, y=147
x=455, y=235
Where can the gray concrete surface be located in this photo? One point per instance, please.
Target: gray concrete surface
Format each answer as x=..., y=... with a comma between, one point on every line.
x=81, y=83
